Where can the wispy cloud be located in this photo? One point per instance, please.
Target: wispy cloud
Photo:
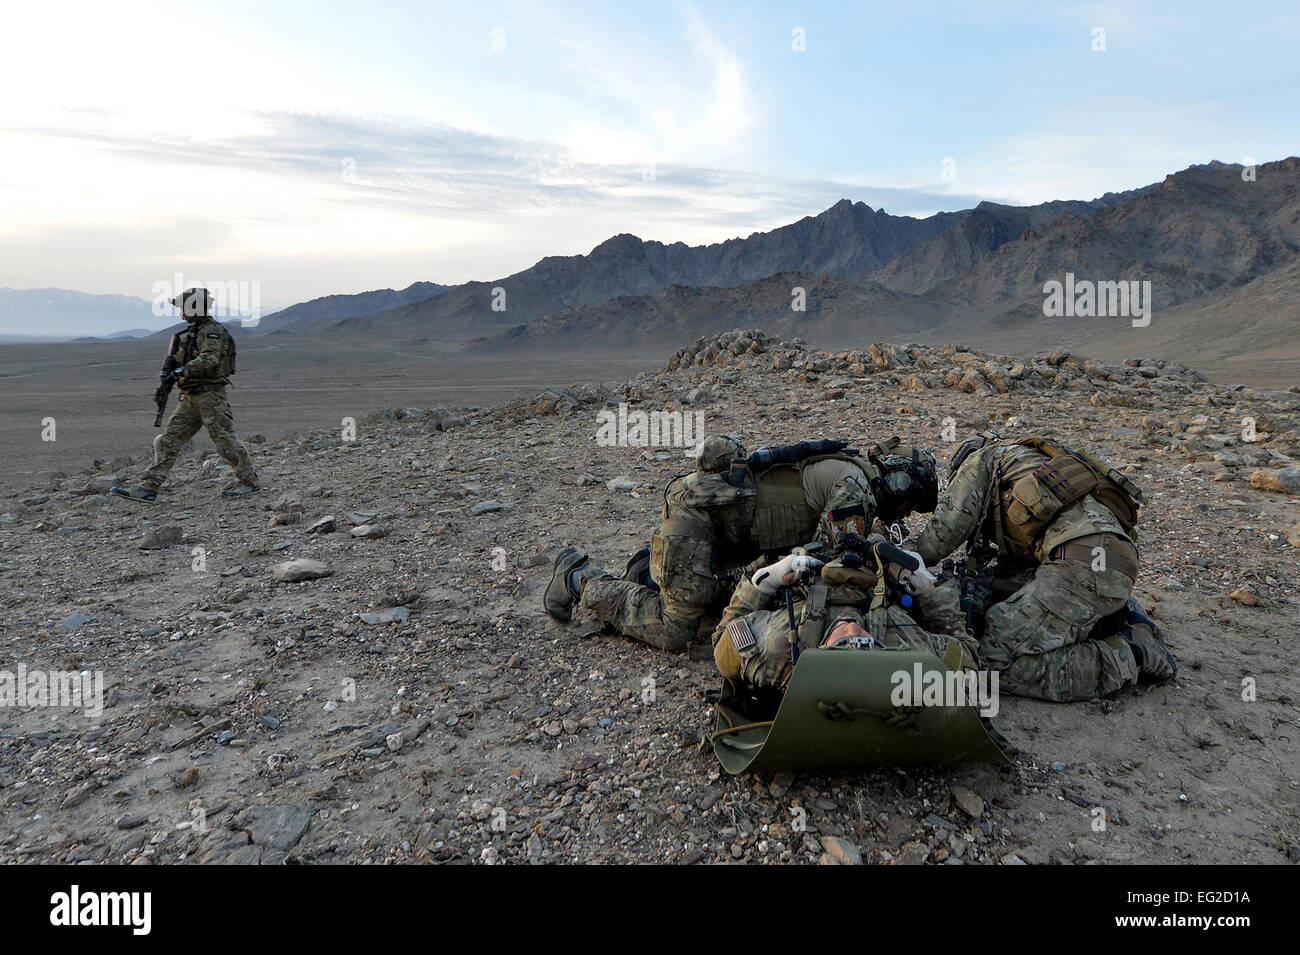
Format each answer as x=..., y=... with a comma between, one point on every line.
x=411, y=167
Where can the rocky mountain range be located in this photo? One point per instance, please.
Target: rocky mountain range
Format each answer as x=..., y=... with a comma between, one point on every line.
x=337, y=307
x=1201, y=238
x=847, y=239
x=837, y=309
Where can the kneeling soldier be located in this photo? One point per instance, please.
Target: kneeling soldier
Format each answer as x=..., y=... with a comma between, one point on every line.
x=733, y=509
x=1064, y=517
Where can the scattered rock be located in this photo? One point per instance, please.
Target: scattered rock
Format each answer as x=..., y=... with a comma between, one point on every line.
x=391, y=615
x=160, y=537
x=100, y=484
x=968, y=801
x=1286, y=481
x=275, y=827
x=325, y=525
x=912, y=853
x=304, y=568
x=839, y=852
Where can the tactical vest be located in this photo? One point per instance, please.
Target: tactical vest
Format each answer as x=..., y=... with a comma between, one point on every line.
x=1032, y=493
x=192, y=343
x=782, y=518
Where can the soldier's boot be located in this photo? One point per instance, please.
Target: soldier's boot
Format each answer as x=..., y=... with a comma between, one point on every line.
x=135, y=492
x=240, y=490
x=638, y=569
x=571, y=568
x=1156, y=665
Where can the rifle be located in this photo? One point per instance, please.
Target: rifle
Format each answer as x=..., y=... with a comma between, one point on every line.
x=976, y=574
x=802, y=581
x=976, y=583
x=170, y=375
x=857, y=549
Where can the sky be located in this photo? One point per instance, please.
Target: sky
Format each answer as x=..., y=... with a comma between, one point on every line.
x=339, y=147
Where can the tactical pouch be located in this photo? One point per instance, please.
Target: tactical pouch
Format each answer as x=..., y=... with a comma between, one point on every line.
x=1032, y=506
x=812, y=622
x=838, y=713
x=1076, y=473
x=684, y=568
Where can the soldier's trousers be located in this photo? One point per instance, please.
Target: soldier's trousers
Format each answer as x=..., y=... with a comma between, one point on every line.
x=651, y=616
x=1038, y=638
x=210, y=410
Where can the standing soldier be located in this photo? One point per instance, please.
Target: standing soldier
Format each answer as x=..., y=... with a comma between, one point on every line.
x=1064, y=519
x=734, y=509
x=204, y=354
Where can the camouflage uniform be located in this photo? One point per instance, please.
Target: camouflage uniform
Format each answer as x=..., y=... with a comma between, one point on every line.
x=206, y=352
x=711, y=526
x=1038, y=637
x=767, y=664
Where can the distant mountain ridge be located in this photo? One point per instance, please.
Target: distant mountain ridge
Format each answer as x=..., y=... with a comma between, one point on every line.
x=1202, y=237
x=1197, y=231
x=1221, y=253
x=53, y=313
x=847, y=239
x=837, y=308
x=341, y=307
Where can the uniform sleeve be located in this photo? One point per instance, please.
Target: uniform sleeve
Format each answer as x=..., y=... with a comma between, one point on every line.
x=211, y=344
x=958, y=512
x=841, y=495
x=744, y=600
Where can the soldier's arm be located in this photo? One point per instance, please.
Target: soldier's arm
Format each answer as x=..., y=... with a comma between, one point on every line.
x=211, y=343
x=745, y=599
x=958, y=512
x=850, y=507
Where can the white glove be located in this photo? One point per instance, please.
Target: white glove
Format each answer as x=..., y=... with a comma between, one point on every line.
x=914, y=581
x=785, y=571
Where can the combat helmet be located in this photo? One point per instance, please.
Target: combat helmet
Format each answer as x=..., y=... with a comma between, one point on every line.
x=909, y=479
x=194, y=303
x=716, y=453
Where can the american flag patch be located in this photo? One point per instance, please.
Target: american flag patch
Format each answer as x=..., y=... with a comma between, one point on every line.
x=742, y=638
